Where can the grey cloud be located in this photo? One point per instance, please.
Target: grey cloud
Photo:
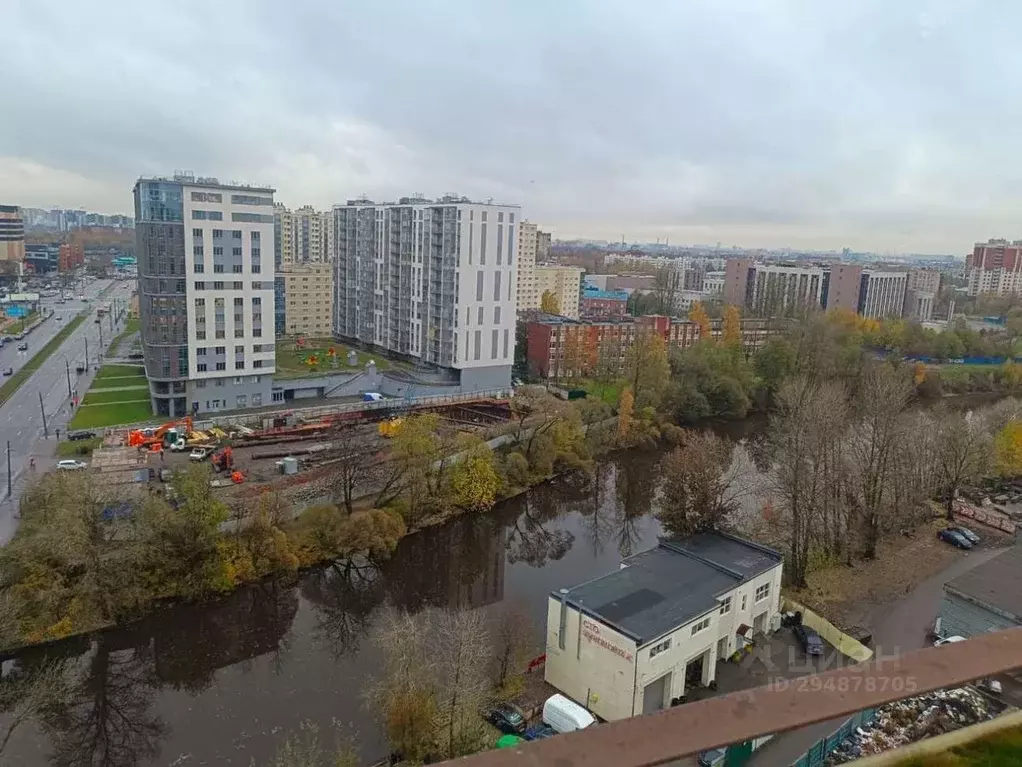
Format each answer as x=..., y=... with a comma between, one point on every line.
x=853, y=122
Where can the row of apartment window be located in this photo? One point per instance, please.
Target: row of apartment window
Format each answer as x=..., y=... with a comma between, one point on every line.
x=239, y=349
x=217, y=285
x=480, y=319
x=238, y=218
x=202, y=367
x=218, y=234
x=236, y=199
x=199, y=250
x=200, y=268
x=482, y=244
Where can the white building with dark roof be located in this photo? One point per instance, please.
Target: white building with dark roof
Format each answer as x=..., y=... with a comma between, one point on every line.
x=624, y=644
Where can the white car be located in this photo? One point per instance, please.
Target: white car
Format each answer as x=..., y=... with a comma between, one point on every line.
x=948, y=640
x=71, y=465
x=198, y=454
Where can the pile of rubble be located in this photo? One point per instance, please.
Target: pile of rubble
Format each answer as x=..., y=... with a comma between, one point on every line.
x=914, y=719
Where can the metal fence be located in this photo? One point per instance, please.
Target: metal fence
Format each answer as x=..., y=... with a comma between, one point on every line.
x=817, y=754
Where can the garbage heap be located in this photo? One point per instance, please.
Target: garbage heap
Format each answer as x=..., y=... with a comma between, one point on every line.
x=912, y=719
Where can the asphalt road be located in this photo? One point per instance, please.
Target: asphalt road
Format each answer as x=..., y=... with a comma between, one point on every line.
x=21, y=420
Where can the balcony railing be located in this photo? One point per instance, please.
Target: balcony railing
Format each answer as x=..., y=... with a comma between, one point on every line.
x=661, y=738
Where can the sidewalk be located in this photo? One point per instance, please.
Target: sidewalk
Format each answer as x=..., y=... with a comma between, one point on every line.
x=900, y=627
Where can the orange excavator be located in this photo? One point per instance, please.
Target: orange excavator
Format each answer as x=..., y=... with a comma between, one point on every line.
x=223, y=459
x=149, y=439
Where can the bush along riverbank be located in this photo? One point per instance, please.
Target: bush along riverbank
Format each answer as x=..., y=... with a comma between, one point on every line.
x=87, y=556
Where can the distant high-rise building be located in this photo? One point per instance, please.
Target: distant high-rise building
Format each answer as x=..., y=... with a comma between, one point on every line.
x=564, y=283
x=995, y=267
x=12, y=234
x=542, y=247
x=528, y=298
x=773, y=290
x=206, y=293
x=882, y=293
x=303, y=236
x=921, y=291
x=432, y=280
x=844, y=282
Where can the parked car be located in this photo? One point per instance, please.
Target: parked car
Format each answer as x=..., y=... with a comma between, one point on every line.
x=948, y=640
x=565, y=715
x=506, y=718
x=71, y=465
x=539, y=732
x=23, y=346
x=75, y=435
x=198, y=454
x=954, y=538
x=809, y=640
x=8, y=371
x=966, y=533
x=713, y=758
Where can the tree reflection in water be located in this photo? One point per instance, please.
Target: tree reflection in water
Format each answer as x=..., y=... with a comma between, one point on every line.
x=638, y=478
x=344, y=595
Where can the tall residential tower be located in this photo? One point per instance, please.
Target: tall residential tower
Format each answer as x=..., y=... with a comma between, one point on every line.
x=433, y=281
x=205, y=284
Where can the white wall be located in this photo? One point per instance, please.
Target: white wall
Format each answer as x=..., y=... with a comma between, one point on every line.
x=586, y=670
x=470, y=266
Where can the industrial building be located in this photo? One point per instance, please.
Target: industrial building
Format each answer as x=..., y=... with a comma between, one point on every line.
x=206, y=293
x=987, y=598
x=633, y=641
x=433, y=281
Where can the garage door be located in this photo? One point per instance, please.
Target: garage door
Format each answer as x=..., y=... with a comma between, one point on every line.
x=653, y=695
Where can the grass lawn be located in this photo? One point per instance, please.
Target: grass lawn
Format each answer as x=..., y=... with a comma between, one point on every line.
x=609, y=392
x=121, y=371
x=131, y=326
x=79, y=447
x=15, y=381
x=96, y=416
x=1000, y=749
x=122, y=395
x=289, y=362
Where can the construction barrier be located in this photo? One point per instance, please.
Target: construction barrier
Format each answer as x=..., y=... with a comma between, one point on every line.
x=843, y=643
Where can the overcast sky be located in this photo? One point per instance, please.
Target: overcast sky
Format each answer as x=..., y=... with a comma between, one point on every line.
x=888, y=124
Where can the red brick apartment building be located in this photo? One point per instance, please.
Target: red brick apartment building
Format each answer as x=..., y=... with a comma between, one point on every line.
x=72, y=255
x=559, y=347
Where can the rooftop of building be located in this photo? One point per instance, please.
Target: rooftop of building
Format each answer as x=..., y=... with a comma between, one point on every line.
x=562, y=267
x=419, y=199
x=659, y=590
x=997, y=583
x=190, y=179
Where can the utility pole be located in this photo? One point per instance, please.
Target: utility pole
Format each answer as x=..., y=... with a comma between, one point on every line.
x=67, y=367
x=42, y=410
x=86, y=353
x=101, y=339
x=9, y=479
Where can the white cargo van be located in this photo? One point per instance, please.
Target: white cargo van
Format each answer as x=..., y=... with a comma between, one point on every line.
x=565, y=715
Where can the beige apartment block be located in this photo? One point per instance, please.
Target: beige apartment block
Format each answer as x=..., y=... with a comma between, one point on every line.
x=12, y=234
x=308, y=299
x=528, y=298
x=565, y=282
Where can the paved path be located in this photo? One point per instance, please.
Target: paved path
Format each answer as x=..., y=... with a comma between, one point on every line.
x=899, y=628
x=21, y=421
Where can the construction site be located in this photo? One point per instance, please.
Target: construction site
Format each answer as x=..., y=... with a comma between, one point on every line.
x=294, y=452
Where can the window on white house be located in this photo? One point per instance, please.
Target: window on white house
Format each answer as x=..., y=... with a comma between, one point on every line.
x=762, y=592
x=725, y=605
x=745, y=598
x=701, y=626
x=660, y=647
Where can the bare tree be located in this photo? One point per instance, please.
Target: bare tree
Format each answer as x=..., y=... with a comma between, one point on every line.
x=806, y=430
x=30, y=693
x=963, y=452
x=700, y=487
x=354, y=468
x=883, y=397
x=463, y=653
x=514, y=640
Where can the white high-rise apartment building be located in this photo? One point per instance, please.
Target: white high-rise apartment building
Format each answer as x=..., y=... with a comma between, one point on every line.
x=303, y=236
x=528, y=298
x=564, y=283
x=205, y=281
x=431, y=280
x=882, y=294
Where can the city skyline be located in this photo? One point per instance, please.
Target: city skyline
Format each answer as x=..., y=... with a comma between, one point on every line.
x=594, y=120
